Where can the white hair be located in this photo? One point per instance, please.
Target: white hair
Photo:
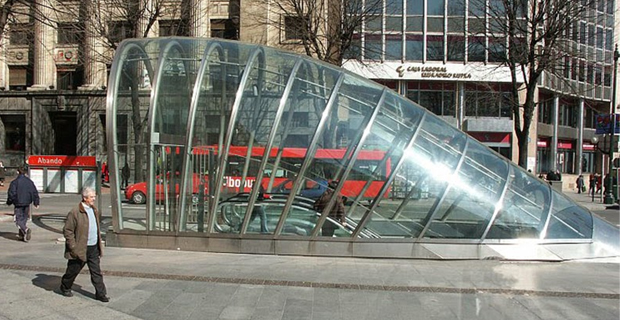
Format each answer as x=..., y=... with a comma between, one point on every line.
x=87, y=190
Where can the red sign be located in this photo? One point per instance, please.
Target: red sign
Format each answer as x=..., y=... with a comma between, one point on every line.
x=542, y=143
x=62, y=161
x=491, y=137
x=588, y=147
x=565, y=144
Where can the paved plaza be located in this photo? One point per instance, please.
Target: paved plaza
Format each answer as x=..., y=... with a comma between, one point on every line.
x=163, y=284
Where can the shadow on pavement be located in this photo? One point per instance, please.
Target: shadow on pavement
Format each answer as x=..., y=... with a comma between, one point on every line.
x=52, y=283
x=47, y=282
x=10, y=235
x=38, y=221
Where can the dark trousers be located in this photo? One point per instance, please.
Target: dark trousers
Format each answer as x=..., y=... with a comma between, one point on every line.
x=328, y=229
x=259, y=211
x=74, y=266
x=21, y=217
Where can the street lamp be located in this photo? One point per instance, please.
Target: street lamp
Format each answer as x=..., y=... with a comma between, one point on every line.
x=609, y=197
x=594, y=141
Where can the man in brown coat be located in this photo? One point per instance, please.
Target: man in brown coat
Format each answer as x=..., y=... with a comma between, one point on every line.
x=336, y=213
x=83, y=245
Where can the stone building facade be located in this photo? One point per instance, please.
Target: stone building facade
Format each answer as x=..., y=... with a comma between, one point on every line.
x=53, y=73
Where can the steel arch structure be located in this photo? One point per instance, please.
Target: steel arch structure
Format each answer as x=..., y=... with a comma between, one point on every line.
x=204, y=128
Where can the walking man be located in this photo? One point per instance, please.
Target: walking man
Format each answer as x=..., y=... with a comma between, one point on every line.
x=336, y=213
x=83, y=245
x=21, y=194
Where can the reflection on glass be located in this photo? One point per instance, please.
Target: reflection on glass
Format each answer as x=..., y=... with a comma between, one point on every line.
x=267, y=133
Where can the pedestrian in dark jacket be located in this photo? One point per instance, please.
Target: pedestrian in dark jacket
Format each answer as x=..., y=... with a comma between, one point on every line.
x=336, y=213
x=2, y=174
x=83, y=246
x=22, y=193
x=580, y=184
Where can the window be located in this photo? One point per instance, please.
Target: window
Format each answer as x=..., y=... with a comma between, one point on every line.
x=69, y=79
x=294, y=27
x=14, y=132
x=300, y=119
x=434, y=48
x=68, y=33
x=415, y=7
x=497, y=49
x=393, y=47
x=437, y=98
x=224, y=29
x=372, y=47
x=435, y=7
x=21, y=34
x=20, y=78
x=172, y=28
x=476, y=49
x=545, y=110
x=119, y=30
x=456, y=48
x=414, y=47
x=486, y=102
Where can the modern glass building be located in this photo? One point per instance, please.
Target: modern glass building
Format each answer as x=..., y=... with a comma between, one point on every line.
x=239, y=140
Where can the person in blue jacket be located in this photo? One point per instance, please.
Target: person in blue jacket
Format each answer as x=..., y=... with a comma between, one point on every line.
x=22, y=193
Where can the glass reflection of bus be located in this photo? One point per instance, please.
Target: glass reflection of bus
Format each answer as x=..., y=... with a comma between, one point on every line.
x=326, y=165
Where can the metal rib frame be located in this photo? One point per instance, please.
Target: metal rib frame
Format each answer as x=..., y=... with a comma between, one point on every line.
x=386, y=185
x=213, y=46
x=444, y=193
x=310, y=152
x=257, y=53
x=272, y=134
x=150, y=199
x=350, y=158
x=111, y=112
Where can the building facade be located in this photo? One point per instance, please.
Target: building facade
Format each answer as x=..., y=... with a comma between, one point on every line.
x=429, y=52
x=55, y=67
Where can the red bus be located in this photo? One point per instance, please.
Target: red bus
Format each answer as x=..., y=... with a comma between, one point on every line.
x=370, y=165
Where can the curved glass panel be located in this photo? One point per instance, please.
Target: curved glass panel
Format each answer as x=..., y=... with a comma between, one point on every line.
x=393, y=130
x=568, y=221
x=524, y=211
x=472, y=197
x=354, y=105
x=302, y=119
x=242, y=140
x=175, y=80
x=132, y=85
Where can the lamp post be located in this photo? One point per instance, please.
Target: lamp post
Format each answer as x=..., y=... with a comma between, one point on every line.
x=594, y=141
x=609, y=197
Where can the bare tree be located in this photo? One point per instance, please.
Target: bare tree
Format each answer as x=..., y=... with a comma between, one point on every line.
x=111, y=21
x=324, y=29
x=531, y=38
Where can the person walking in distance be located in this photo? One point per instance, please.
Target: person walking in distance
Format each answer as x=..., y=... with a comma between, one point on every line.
x=22, y=193
x=125, y=173
x=336, y=213
x=2, y=174
x=83, y=245
x=580, y=184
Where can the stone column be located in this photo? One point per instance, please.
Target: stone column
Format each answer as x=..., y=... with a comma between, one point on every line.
x=4, y=68
x=554, y=137
x=460, y=104
x=199, y=22
x=579, y=137
x=91, y=51
x=44, y=65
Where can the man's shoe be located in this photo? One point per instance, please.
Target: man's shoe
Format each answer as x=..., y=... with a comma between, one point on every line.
x=66, y=293
x=28, y=235
x=102, y=298
x=20, y=236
